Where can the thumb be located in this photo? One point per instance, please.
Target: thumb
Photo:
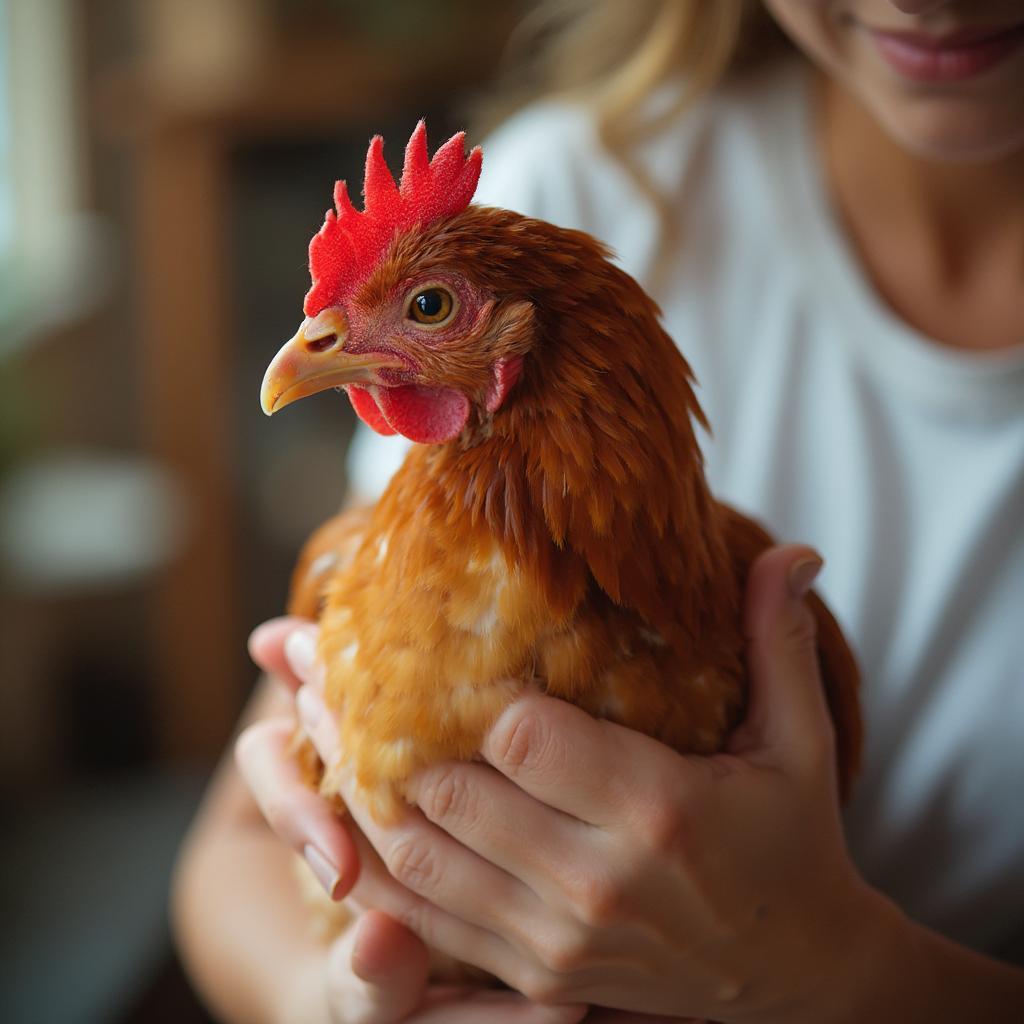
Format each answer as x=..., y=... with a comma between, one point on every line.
x=379, y=971
x=786, y=714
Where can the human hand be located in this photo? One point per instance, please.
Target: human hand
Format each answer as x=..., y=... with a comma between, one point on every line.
x=377, y=971
x=598, y=865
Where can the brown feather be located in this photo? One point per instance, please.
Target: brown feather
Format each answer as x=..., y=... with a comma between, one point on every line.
x=329, y=550
x=569, y=539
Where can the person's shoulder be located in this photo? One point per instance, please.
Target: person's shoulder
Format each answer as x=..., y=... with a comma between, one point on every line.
x=549, y=160
x=539, y=160
x=545, y=122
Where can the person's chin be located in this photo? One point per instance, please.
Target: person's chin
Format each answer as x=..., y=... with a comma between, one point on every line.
x=953, y=133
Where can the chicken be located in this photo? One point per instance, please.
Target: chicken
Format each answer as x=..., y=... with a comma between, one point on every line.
x=552, y=526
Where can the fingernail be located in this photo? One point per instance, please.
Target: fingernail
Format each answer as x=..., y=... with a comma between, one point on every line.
x=310, y=707
x=327, y=874
x=803, y=573
x=300, y=650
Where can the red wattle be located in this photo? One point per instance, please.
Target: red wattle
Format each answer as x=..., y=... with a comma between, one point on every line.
x=424, y=415
x=368, y=410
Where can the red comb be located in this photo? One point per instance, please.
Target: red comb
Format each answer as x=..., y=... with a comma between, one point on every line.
x=350, y=244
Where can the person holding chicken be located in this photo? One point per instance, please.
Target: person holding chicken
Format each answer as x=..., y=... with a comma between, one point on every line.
x=836, y=246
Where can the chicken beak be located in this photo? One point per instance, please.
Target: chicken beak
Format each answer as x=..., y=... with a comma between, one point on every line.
x=314, y=360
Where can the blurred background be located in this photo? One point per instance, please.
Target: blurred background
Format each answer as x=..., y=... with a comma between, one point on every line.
x=163, y=164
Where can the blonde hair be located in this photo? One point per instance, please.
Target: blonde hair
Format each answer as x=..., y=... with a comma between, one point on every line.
x=615, y=55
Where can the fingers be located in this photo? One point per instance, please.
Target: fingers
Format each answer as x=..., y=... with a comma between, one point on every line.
x=377, y=887
x=493, y=1007
x=321, y=727
x=787, y=712
x=587, y=768
x=475, y=910
x=377, y=971
x=380, y=965
x=430, y=861
x=493, y=817
x=267, y=647
x=303, y=819
x=300, y=650
x=381, y=978
x=435, y=926
x=456, y=900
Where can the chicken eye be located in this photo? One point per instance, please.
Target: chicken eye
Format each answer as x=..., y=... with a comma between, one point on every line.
x=431, y=306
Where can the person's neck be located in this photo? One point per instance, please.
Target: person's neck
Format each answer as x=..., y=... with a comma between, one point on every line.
x=924, y=228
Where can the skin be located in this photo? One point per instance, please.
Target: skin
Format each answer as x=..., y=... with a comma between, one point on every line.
x=925, y=179
x=926, y=182
x=971, y=123
x=600, y=891
x=256, y=960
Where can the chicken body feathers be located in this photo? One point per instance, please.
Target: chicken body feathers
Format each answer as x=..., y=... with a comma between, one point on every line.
x=570, y=541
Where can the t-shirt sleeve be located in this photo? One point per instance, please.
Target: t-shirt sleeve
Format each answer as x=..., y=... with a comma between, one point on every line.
x=526, y=164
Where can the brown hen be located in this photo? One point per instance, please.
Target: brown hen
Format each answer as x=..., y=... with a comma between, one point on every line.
x=552, y=527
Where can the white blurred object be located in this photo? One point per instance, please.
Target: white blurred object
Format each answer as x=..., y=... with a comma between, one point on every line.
x=372, y=461
x=79, y=277
x=85, y=520
x=59, y=257
x=46, y=154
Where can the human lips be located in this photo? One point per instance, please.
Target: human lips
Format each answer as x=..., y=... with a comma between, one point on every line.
x=949, y=57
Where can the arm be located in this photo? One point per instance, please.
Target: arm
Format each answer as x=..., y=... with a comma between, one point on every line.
x=934, y=978
x=592, y=863
x=240, y=922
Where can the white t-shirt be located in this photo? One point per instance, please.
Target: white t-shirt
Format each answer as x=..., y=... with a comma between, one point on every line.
x=836, y=424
